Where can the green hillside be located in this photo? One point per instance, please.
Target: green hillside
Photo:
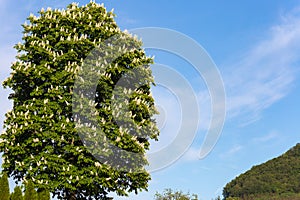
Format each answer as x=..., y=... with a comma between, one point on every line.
x=278, y=178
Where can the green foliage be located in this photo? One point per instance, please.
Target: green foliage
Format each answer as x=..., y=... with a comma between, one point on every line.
x=169, y=194
x=43, y=195
x=40, y=142
x=283, y=196
x=273, y=178
x=17, y=194
x=30, y=193
x=4, y=187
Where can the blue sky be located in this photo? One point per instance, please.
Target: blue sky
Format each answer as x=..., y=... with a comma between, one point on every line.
x=255, y=47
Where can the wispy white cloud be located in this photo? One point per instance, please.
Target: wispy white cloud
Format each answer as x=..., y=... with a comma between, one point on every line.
x=266, y=138
x=266, y=73
x=232, y=151
x=262, y=76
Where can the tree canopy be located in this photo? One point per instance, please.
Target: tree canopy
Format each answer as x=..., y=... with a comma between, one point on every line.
x=279, y=176
x=4, y=187
x=169, y=194
x=17, y=194
x=43, y=195
x=30, y=193
x=42, y=143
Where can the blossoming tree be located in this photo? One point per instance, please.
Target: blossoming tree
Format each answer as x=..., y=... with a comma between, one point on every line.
x=41, y=141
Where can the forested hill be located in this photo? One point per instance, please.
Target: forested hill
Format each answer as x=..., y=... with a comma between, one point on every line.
x=278, y=178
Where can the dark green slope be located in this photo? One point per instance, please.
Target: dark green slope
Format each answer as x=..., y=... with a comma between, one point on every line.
x=277, y=177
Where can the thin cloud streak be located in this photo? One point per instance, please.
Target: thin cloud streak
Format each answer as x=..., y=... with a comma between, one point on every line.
x=266, y=138
x=263, y=76
x=231, y=152
x=266, y=73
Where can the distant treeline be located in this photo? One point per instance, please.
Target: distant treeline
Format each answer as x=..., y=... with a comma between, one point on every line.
x=29, y=191
x=276, y=179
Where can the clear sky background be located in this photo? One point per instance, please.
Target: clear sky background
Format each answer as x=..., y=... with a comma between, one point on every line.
x=256, y=47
